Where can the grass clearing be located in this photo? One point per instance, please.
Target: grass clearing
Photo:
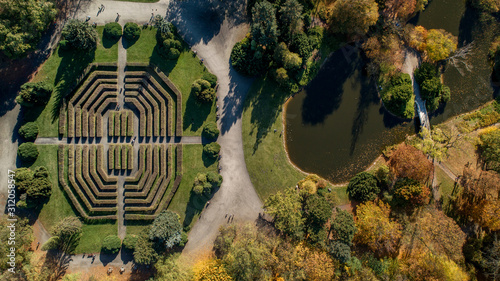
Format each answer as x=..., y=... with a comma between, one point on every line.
x=446, y=185
x=341, y=195
x=184, y=203
x=93, y=235
x=265, y=156
x=183, y=72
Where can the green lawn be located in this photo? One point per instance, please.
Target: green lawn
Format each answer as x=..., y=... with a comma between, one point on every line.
x=61, y=69
x=182, y=72
x=265, y=156
x=341, y=195
x=93, y=235
x=446, y=185
x=188, y=207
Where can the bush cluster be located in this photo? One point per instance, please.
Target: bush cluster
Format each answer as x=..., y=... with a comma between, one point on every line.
x=112, y=30
x=129, y=242
x=79, y=35
x=211, y=150
x=34, y=94
x=210, y=130
x=363, y=187
x=398, y=97
x=204, y=184
x=131, y=31
x=35, y=184
x=111, y=244
x=169, y=46
x=432, y=90
x=27, y=152
x=203, y=91
x=248, y=58
x=29, y=131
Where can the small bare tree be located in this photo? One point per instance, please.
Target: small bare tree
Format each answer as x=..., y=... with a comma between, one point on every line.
x=460, y=58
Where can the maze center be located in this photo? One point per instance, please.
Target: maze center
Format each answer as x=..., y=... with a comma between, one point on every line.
x=133, y=129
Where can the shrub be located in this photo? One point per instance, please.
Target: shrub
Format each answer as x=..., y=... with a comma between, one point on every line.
x=27, y=152
x=184, y=239
x=38, y=188
x=80, y=34
x=210, y=130
x=281, y=77
x=205, y=183
x=363, y=187
x=172, y=43
x=112, y=30
x=211, y=78
x=131, y=31
x=203, y=91
x=29, y=131
x=214, y=178
x=170, y=48
x=302, y=46
x=211, y=150
x=490, y=150
x=248, y=58
x=111, y=244
x=51, y=244
x=425, y=71
x=32, y=94
x=129, y=242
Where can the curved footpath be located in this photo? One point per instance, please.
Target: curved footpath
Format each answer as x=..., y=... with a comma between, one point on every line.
x=236, y=195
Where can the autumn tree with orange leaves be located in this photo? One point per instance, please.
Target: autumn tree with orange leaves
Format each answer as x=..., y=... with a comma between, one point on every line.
x=408, y=162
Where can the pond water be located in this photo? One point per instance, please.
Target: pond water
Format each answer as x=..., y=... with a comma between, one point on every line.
x=336, y=126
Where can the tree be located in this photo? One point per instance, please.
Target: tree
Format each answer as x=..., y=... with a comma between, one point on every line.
x=80, y=35
x=171, y=267
x=426, y=71
x=211, y=269
x=285, y=208
x=68, y=232
x=130, y=241
x=34, y=94
x=203, y=91
x=166, y=229
x=340, y=251
x=111, y=244
x=491, y=263
x=318, y=265
x=410, y=192
x=112, y=30
x=211, y=78
x=39, y=189
x=29, y=131
x=27, y=152
x=434, y=267
x=22, y=23
x=488, y=6
x=317, y=210
x=343, y=227
x=353, y=17
x=144, y=252
x=290, y=15
x=436, y=44
x=434, y=92
x=264, y=28
x=376, y=229
x=211, y=150
x=51, y=244
x=398, y=97
x=23, y=237
x=489, y=147
x=363, y=187
x=408, y=162
x=205, y=183
x=131, y=31
x=401, y=9
x=437, y=142
x=211, y=131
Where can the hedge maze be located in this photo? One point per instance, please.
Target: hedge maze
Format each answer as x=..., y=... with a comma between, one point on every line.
x=120, y=142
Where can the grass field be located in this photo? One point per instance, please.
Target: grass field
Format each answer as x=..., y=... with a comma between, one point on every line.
x=183, y=72
x=265, y=156
x=446, y=185
x=183, y=203
x=61, y=69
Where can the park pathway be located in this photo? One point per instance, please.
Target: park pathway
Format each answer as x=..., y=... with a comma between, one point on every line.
x=122, y=63
x=105, y=140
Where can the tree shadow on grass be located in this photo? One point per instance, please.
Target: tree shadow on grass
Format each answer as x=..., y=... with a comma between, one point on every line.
x=109, y=42
x=165, y=65
x=196, y=113
x=195, y=206
x=208, y=161
x=69, y=72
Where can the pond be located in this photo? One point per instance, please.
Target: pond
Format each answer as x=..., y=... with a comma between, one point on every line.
x=336, y=126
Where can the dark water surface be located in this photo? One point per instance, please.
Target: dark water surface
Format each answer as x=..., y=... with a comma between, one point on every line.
x=336, y=126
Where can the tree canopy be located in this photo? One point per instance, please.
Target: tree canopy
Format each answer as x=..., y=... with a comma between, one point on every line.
x=343, y=227
x=490, y=149
x=166, y=229
x=363, y=187
x=408, y=162
x=286, y=209
x=353, y=17
x=22, y=23
x=264, y=27
x=80, y=35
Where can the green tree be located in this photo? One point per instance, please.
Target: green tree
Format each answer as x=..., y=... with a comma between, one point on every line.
x=203, y=91
x=112, y=30
x=281, y=77
x=130, y=241
x=80, y=35
x=285, y=208
x=111, y=244
x=144, y=252
x=317, y=210
x=490, y=150
x=398, y=96
x=426, y=71
x=353, y=17
x=166, y=229
x=171, y=268
x=131, y=31
x=22, y=23
x=290, y=15
x=38, y=189
x=23, y=238
x=51, y=244
x=264, y=28
x=68, y=232
x=343, y=227
x=34, y=94
x=211, y=150
x=29, y=131
x=27, y=152
x=363, y=187
x=340, y=251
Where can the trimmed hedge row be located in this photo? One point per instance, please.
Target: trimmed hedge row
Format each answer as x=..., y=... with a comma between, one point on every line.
x=102, y=107
x=158, y=172
x=98, y=192
x=93, y=170
x=146, y=171
x=142, y=156
x=142, y=117
x=100, y=165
